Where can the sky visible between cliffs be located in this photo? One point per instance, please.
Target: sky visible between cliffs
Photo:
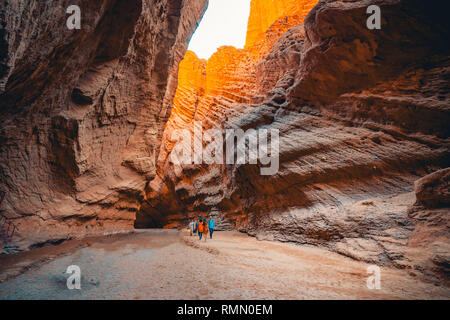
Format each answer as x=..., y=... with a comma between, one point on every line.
x=224, y=23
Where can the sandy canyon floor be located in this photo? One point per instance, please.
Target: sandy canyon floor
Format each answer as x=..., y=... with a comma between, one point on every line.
x=167, y=264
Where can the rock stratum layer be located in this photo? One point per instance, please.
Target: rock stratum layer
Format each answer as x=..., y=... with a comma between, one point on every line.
x=362, y=115
x=82, y=111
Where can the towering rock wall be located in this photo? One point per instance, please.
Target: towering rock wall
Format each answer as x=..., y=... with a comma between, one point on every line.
x=362, y=114
x=210, y=91
x=81, y=110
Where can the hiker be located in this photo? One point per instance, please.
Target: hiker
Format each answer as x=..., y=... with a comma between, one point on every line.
x=205, y=228
x=211, y=227
x=200, y=229
x=195, y=225
x=191, y=226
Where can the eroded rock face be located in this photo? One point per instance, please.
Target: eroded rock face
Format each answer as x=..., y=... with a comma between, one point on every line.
x=429, y=242
x=82, y=110
x=211, y=91
x=264, y=13
x=362, y=114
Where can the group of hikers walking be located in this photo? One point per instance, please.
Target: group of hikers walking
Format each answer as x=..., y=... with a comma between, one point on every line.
x=201, y=227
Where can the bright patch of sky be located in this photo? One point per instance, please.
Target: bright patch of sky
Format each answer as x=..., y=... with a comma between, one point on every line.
x=224, y=23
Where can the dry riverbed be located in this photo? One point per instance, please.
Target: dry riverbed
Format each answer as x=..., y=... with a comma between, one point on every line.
x=166, y=264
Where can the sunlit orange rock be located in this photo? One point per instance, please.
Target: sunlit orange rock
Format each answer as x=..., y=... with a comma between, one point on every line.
x=229, y=74
x=263, y=13
x=191, y=86
x=226, y=74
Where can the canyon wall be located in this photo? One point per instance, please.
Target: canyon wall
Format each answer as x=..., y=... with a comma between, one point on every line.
x=264, y=13
x=82, y=111
x=362, y=115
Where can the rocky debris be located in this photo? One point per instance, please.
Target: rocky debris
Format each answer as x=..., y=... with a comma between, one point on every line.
x=430, y=242
x=433, y=190
x=82, y=110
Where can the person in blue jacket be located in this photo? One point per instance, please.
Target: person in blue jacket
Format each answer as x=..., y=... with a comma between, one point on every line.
x=211, y=226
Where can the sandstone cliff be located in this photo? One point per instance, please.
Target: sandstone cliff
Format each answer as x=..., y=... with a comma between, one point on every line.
x=362, y=114
x=82, y=111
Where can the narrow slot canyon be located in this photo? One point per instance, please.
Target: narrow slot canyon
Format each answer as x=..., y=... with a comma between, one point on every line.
x=111, y=133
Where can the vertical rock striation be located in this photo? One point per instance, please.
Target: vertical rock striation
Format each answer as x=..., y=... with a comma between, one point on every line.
x=267, y=12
